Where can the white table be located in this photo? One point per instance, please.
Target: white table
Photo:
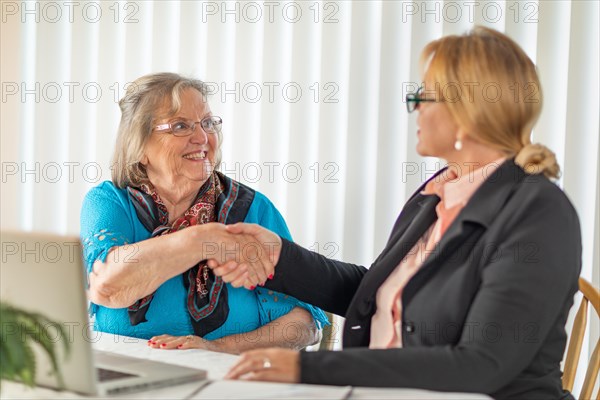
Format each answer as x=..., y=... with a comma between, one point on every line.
x=217, y=365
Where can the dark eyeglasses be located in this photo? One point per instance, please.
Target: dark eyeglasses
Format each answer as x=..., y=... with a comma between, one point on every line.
x=414, y=99
x=210, y=124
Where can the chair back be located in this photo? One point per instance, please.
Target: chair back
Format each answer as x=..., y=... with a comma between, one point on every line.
x=590, y=295
x=329, y=334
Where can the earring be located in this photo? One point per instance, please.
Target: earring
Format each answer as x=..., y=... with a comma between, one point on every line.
x=458, y=144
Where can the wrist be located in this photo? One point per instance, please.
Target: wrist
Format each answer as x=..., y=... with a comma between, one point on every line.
x=200, y=238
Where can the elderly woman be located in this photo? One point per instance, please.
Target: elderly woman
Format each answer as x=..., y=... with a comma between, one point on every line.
x=473, y=289
x=147, y=234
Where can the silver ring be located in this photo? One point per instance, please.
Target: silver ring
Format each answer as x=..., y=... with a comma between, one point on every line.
x=266, y=363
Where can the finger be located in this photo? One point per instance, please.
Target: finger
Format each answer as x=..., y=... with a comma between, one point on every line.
x=226, y=268
x=262, y=375
x=245, y=366
x=188, y=342
x=236, y=273
x=256, y=256
x=235, y=228
x=155, y=341
x=165, y=342
x=250, y=285
x=173, y=343
x=242, y=227
x=253, y=275
x=240, y=280
x=260, y=262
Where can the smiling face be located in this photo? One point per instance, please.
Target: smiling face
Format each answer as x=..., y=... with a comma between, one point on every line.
x=437, y=130
x=181, y=164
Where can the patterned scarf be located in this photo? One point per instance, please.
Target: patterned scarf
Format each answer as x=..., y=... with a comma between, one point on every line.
x=206, y=293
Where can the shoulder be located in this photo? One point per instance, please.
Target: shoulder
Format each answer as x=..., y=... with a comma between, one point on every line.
x=258, y=201
x=531, y=209
x=538, y=192
x=105, y=191
x=261, y=201
x=106, y=197
x=263, y=207
x=263, y=212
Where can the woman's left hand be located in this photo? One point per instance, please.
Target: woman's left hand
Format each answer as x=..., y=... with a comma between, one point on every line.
x=274, y=364
x=168, y=342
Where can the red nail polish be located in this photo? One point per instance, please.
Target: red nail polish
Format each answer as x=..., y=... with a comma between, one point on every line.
x=163, y=345
x=271, y=276
x=179, y=346
x=252, y=287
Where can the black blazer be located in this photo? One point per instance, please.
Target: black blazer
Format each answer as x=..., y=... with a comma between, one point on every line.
x=486, y=311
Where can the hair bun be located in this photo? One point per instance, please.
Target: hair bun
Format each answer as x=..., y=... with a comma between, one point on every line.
x=538, y=159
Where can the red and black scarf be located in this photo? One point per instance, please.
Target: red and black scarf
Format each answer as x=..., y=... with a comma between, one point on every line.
x=220, y=199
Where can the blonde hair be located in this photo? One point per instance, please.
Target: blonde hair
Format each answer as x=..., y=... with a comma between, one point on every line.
x=493, y=92
x=144, y=97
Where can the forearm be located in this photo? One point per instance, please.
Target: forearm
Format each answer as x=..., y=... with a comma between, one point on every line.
x=313, y=278
x=133, y=271
x=295, y=330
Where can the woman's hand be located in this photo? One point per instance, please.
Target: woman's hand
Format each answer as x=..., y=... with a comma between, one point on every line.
x=261, y=249
x=294, y=330
x=169, y=342
x=275, y=365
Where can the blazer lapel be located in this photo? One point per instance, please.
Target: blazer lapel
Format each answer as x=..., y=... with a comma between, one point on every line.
x=470, y=223
x=421, y=218
x=414, y=216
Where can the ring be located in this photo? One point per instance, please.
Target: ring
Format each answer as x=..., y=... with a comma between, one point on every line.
x=266, y=363
x=188, y=337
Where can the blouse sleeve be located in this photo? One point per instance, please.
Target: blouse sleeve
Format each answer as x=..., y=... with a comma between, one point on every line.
x=273, y=304
x=105, y=223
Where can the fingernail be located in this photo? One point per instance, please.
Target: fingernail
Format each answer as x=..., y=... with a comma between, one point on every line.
x=252, y=287
x=163, y=345
x=261, y=284
x=179, y=346
x=270, y=276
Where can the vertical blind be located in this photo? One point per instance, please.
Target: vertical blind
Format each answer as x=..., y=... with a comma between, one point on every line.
x=311, y=94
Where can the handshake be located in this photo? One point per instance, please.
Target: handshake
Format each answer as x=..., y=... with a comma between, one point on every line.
x=242, y=254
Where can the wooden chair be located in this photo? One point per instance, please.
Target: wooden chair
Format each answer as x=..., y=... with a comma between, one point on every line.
x=590, y=294
x=328, y=339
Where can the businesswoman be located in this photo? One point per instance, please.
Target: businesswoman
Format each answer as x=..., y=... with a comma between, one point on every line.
x=146, y=233
x=472, y=291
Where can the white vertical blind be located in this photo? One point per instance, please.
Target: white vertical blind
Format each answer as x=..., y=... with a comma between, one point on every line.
x=363, y=129
x=312, y=95
x=335, y=89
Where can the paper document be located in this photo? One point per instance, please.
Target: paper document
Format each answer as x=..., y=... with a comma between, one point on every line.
x=267, y=390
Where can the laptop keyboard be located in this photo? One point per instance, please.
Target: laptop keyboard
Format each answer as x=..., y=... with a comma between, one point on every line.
x=105, y=375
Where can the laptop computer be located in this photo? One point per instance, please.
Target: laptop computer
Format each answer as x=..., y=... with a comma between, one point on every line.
x=44, y=273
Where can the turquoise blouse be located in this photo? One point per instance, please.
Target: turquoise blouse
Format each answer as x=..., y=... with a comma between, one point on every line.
x=109, y=219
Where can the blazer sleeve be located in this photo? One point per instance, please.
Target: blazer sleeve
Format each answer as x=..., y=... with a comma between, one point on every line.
x=316, y=279
x=526, y=290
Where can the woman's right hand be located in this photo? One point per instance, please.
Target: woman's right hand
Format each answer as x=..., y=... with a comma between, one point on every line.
x=260, y=250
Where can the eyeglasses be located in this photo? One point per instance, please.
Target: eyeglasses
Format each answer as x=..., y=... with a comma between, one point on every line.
x=210, y=124
x=414, y=99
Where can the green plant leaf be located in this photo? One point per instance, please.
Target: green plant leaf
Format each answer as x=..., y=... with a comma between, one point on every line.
x=19, y=329
x=38, y=331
